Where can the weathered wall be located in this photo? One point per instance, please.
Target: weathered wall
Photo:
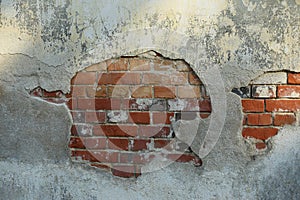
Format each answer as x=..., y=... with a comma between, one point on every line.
x=44, y=43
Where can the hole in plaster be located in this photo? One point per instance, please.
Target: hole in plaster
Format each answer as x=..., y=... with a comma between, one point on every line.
x=123, y=108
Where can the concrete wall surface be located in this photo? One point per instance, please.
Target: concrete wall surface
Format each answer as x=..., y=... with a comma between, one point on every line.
x=228, y=43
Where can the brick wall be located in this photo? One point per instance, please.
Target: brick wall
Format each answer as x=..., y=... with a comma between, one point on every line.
x=122, y=111
x=270, y=102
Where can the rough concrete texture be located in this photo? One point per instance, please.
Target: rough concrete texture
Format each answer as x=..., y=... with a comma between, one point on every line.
x=44, y=43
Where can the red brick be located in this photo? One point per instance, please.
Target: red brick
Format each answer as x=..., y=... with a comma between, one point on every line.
x=291, y=91
x=86, y=104
x=99, y=104
x=74, y=130
x=84, y=78
x=283, y=119
x=194, y=79
x=253, y=105
x=164, y=92
x=95, y=143
x=294, y=78
x=162, y=143
x=138, y=64
x=204, y=115
x=97, y=131
x=125, y=171
x=188, y=91
x=95, y=117
x=282, y=105
x=118, y=143
x=182, y=66
x=117, y=130
x=97, y=67
x=205, y=105
x=78, y=91
x=244, y=119
x=153, y=131
x=76, y=142
x=259, y=119
x=164, y=79
x=55, y=94
x=260, y=145
x=120, y=64
x=99, y=91
x=56, y=100
x=153, y=78
x=119, y=91
x=139, y=117
x=142, y=92
x=119, y=78
x=259, y=133
x=162, y=117
x=139, y=144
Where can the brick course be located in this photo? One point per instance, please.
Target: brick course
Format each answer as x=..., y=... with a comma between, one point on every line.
x=274, y=102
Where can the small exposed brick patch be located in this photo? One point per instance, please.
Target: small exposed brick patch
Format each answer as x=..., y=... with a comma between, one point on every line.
x=271, y=104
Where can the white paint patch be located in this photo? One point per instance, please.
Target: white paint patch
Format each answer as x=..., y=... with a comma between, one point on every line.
x=178, y=104
x=265, y=91
x=117, y=116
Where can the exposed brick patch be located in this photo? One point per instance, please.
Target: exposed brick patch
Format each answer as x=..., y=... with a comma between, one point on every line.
x=122, y=111
x=259, y=133
x=278, y=105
